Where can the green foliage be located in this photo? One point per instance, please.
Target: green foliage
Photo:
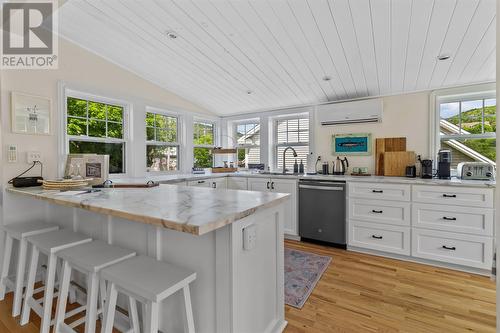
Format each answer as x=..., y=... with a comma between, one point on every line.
x=203, y=134
x=203, y=157
x=471, y=120
x=486, y=147
x=161, y=158
x=161, y=128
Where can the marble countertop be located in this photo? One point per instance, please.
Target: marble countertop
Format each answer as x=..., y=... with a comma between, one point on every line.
x=175, y=178
x=192, y=210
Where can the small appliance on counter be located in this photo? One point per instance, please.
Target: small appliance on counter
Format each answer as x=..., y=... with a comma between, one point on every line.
x=411, y=171
x=426, y=168
x=340, y=166
x=444, y=164
x=324, y=168
x=476, y=171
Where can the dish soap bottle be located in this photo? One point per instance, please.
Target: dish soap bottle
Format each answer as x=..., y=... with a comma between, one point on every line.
x=301, y=167
x=295, y=167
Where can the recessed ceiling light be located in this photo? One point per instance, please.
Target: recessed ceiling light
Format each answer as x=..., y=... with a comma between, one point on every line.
x=444, y=57
x=249, y=92
x=171, y=34
x=327, y=78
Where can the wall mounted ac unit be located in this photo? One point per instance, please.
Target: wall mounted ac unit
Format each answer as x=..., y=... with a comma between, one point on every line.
x=356, y=112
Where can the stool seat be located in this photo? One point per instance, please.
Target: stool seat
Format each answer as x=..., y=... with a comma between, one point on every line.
x=94, y=256
x=26, y=229
x=58, y=240
x=152, y=279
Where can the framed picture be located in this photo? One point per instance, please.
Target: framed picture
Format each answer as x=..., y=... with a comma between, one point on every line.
x=352, y=144
x=87, y=166
x=30, y=114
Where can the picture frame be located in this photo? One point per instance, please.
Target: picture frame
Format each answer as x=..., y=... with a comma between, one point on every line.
x=359, y=144
x=88, y=166
x=30, y=114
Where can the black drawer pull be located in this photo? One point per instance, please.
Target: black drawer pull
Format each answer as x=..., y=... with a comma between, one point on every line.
x=377, y=191
x=268, y=185
x=449, y=248
x=377, y=211
x=449, y=195
x=449, y=218
x=377, y=237
x=201, y=181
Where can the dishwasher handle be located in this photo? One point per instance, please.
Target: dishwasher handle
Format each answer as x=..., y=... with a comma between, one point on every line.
x=323, y=188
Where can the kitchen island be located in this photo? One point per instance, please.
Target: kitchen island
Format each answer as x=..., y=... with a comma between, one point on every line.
x=237, y=289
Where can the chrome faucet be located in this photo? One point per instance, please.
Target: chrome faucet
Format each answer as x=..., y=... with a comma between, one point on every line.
x=284, y=152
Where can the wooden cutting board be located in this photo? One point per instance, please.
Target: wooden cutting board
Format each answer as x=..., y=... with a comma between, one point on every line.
x=383, y=145
x=395, y=162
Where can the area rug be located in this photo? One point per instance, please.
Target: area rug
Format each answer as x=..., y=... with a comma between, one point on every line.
x=302, y=271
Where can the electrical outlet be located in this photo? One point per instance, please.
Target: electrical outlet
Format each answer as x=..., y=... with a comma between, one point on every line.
x=33, y=156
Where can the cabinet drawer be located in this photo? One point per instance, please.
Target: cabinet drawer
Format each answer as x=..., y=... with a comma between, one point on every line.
x=381, y=211
x=379, y=237
x=398, y=192
x=452, y=195
x=454, y=248
x=478, y=221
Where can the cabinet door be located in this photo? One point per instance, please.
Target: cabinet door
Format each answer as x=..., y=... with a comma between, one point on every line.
x=218, y=183
x=199, y=183
x=237, y=183
x=259, y=184
x=288, y=186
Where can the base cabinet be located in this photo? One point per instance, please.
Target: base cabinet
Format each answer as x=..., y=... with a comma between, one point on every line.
x=237, y=183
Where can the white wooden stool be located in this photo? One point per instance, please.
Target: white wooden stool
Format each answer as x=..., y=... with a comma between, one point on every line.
x=88, y=258
x=48, y=243
x=19, y=231
x=148, y=281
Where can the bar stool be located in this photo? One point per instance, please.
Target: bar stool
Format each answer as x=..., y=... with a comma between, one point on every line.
x=19, y=231
x=148, y=281
x=48, y=243
x=88, y=258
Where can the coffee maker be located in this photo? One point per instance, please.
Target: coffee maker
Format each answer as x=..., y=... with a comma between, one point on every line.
x=426, y=168
x=444, y=163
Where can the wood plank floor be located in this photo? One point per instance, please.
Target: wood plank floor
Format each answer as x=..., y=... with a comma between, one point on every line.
x=365, y=293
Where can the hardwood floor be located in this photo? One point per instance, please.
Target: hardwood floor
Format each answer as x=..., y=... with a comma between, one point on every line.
x=365, y=293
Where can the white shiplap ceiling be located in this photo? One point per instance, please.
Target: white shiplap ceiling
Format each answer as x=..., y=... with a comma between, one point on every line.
x=281, y=50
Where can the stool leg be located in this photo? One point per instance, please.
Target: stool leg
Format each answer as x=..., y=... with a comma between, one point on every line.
x=189, y=309
x=64, y=281
x=151, y=318
x=21, y=266
x=133, y=316
x=49, y=294
x=6, y=264
x=109, y=314
x=102, y=296
x=91, y=313
x=30, y=286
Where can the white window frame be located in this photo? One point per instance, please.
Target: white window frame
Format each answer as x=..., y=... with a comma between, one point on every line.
x=68, y=92
x=276, y=145
x=177, y=143
x=484, y=91
x=246, y=146
x=215, y=134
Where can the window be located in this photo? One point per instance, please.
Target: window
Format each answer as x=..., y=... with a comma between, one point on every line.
x=467, y=127
x=292, y=132
x=93, y=127
x=203, y=142
x=162, y=147
x=248, y=143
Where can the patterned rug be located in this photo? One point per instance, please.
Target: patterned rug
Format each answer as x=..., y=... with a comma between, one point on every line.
x=302, y=271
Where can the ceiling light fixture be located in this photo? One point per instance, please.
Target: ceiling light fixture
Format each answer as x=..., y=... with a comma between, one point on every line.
x=327, y=78
x=444, y=57
x=171, y=34
x=249, y=92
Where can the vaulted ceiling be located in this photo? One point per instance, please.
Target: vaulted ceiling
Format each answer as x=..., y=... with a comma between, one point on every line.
x=247, y=55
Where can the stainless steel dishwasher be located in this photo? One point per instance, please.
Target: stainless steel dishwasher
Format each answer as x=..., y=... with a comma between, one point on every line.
x=322, y=211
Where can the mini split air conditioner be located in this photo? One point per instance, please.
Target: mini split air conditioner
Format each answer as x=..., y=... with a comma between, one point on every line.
x=356, y=112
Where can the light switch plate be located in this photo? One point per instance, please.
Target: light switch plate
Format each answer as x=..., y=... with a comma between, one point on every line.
x=12, y=153
x=249, y=237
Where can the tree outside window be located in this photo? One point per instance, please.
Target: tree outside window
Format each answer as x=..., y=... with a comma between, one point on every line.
x=204, y=142
x=162, y=148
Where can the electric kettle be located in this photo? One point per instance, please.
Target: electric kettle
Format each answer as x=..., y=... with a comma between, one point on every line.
x=340, y=166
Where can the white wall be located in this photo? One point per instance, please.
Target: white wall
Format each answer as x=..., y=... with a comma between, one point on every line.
x=82, y=70
x=403, y=116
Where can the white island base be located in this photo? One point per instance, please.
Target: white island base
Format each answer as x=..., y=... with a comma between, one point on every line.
x=236, y=290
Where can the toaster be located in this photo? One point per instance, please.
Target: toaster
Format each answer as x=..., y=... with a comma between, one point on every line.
x=476, y=171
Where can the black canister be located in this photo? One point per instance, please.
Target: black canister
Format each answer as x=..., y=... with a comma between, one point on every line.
x=325, y=168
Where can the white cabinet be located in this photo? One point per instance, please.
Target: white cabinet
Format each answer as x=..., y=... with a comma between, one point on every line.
x=380, y=211
x=237, y=183
x=376, y=191
x=281, y=186
x=453, y=195
x=380, y=237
